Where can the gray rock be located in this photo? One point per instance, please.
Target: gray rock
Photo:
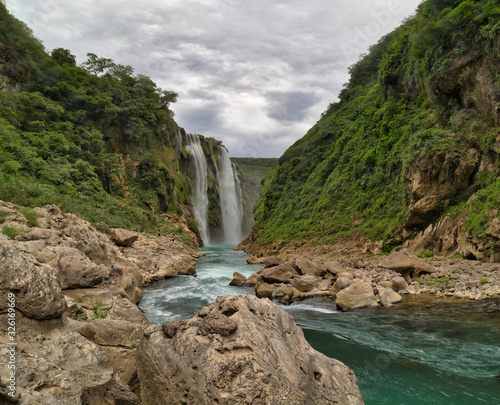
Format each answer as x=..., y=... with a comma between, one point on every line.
x=38, y=294
x=279, y=274
x=238, y=279
x=357, y=295
x=264, y=290
x=334, y=267
x=405, y=262
x=254, y=280
x=122, y=237
x=389, y=297
x=59, y=366
x=76, y=270
x=272, y=261
x=306, y=283
x=344, y=281
x=258, y=356
x=306, y=266
x=399, y=284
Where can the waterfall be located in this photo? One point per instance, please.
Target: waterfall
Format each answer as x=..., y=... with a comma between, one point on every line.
x=231, y=205
x=218, y=166
x=200, y=198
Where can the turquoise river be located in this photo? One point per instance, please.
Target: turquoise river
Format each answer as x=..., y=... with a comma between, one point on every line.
x=421, y=353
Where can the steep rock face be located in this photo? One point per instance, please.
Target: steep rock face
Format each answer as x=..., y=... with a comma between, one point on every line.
x=436, y=180
x=56, y=365
x=239, y=350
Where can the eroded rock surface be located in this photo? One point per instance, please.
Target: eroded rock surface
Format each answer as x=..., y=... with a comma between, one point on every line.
x=242, y=350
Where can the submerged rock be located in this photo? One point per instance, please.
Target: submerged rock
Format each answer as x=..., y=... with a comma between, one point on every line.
x=241, y=350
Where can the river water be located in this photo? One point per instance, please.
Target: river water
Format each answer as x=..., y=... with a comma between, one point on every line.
x=444, y=354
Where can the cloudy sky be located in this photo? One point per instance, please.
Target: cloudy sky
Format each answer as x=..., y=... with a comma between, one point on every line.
x=256, y=74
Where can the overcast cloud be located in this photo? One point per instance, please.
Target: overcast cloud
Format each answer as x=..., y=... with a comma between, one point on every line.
x=256, y=74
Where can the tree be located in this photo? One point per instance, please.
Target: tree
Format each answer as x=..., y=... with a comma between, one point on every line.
x=167, y=97
x=96, y=65
x=63, y=56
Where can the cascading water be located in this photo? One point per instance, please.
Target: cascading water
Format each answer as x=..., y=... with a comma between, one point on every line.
x=231, y=205
x=229, y=190
x=200, y=195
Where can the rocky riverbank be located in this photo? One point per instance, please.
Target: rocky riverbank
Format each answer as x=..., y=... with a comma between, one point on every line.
x=360, y=281
x=69, y=300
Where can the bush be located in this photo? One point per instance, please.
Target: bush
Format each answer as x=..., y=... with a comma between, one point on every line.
x=10, y=232
x=425, y=253
x=31, y=217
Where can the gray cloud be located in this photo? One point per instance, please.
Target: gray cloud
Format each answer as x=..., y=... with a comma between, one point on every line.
x=255, y=74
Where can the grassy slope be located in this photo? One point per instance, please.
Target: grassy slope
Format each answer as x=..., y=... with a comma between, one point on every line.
x=347, y=174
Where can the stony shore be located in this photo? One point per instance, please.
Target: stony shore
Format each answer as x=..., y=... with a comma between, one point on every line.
x=80, y=337
x=361, y=281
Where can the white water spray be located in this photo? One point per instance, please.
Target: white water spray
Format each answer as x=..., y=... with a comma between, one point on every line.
x=231, y=205
x=200, y=198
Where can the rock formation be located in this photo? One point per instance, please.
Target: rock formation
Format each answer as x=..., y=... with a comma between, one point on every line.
x=389, y=277
x=239, y=350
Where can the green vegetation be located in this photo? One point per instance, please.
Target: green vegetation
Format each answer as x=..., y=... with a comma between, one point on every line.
x=31, y=216
x=458, y=256
x=252, y=172
x=98, y=311
x=9, y=231
x=444, y=280
x=349, y=174
x=96, y=139
x=425, y=253
x=484, y=280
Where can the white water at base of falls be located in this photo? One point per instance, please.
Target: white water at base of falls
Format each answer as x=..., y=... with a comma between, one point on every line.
x=200, y=195
x=230, y=199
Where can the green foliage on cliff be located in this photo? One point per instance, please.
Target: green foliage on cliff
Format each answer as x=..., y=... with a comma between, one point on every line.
x=403, y=104
x=97, y=140
x=252, y=172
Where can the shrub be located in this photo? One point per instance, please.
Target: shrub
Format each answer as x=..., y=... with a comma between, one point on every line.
x=425, y=253
x=31, y=217
x=10, y=232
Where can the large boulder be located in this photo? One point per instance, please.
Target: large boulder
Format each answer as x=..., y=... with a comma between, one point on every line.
x=122, y=237
x=264, y=290
x=76, y=270
x=406, y=263
x=308, y=267
x=388, y=297
x=238, y=280
x=306, y=283
x=344, y=281
x=358, y=295
x=239, y=350
x=279, y=274
x=334, y=267
x=272, y=261
x=37, y=291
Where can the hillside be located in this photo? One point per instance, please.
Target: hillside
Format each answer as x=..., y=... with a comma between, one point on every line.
x=98, y=140
x=252, y=171
x=413, y=145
